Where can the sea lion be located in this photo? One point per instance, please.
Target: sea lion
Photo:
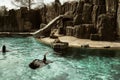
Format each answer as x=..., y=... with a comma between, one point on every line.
x=3, y=49
x=39, y=63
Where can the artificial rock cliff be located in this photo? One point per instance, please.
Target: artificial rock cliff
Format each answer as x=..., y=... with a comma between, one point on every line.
x=92, y=19
x=20, y=20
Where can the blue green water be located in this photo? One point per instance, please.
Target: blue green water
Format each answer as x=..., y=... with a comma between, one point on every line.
x=14, y=64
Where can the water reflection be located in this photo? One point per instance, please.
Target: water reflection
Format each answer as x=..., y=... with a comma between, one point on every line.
x=78, y=53
x=100, y=61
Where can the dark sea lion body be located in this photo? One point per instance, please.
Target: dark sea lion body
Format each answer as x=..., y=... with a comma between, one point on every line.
x=38, y=63
x=4, y=49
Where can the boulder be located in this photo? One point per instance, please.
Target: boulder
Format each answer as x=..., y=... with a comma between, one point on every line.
x=99, y=2
x=89, y=29
x=61, y=30
x=27, y=26
x=95, y=37
x=69, y=14
x=106, y=27
x=69, y=31
x=77, y=20
x=79, y=31
x=57, y=7
x=69, y=23
x=79, y=8
x=87, y=1
x=43, y=12
x=111, y=6
x=73, y=6
x=60, y=46
x=97, y=10
x=65, y=7
x=84, y=31
x=118, y=19
x=87, y=11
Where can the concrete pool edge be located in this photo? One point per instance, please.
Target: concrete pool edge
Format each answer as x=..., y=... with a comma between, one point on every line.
x=3, y=34
x=73, y=43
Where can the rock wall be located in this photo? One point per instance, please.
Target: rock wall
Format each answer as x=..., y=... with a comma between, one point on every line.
x=102, y=15
x=106, y=27
x=86, y=13
x=20, y=20
x=48, y=12
x=8, y=22
x=118, y=19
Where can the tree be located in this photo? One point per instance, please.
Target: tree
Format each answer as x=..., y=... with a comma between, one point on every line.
x=3, y=10
x=26, y=3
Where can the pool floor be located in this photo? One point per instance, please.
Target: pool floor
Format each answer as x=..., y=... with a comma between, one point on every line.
x=14, y=65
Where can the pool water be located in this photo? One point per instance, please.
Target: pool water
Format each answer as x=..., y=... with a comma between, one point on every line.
x=23, y=50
